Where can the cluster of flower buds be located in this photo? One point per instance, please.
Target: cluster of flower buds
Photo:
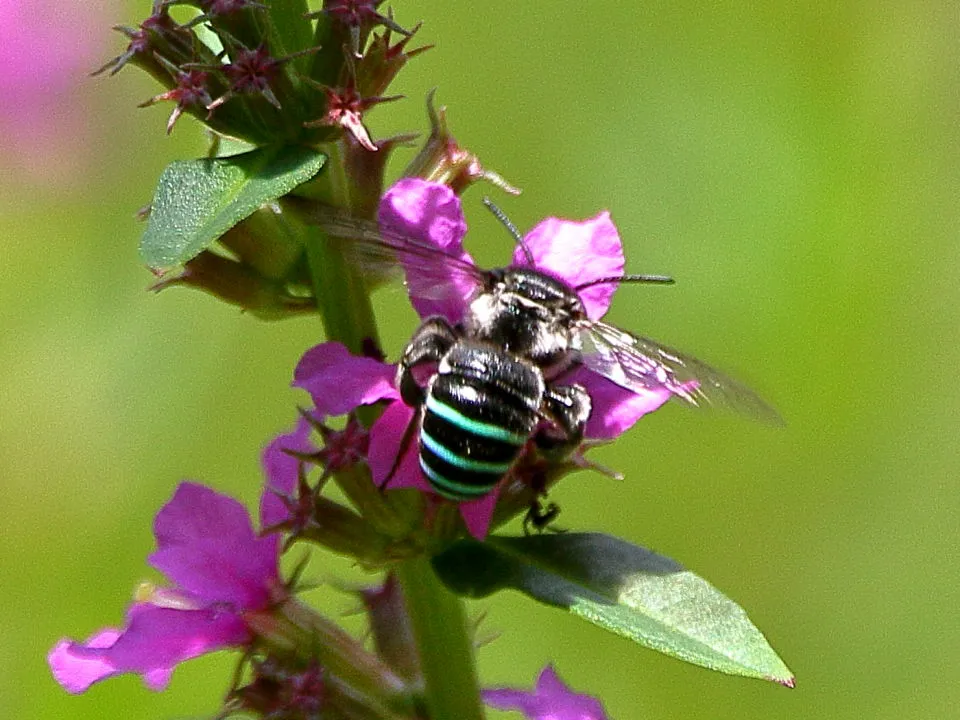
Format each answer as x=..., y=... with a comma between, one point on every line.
x=250, y=73
x=269, y=76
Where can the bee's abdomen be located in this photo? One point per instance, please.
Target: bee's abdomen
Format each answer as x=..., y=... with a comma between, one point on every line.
x=480, y=410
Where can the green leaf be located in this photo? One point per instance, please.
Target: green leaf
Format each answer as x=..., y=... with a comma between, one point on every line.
x=623, y=588
x=199, y=200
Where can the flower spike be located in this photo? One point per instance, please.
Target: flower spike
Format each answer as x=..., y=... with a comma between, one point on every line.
x=139, y=45
x=382, y=61
x=160, y=35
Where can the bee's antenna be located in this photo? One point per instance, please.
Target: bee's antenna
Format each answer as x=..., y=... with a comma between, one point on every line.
x=652, y=279
x=511, y=228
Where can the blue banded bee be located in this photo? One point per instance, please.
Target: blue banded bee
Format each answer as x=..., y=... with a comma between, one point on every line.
x=493, y=382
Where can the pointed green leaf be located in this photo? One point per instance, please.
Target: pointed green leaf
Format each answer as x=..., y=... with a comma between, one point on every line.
x=199, y=200
x=623, y=588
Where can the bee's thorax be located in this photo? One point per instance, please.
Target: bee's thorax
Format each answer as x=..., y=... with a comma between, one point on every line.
x=528, y=314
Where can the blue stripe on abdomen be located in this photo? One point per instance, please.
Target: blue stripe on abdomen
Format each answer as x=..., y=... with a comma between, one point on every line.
x=475, y=427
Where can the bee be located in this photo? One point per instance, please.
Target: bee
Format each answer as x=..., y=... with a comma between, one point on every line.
x=490, y=384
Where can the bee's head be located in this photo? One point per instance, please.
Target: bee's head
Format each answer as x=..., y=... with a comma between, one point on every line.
x=527, y=313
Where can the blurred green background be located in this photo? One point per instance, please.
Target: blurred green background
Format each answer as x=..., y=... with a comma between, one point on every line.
x=793, y=165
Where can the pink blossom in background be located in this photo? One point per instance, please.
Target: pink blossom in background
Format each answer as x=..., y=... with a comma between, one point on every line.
x=47, y=50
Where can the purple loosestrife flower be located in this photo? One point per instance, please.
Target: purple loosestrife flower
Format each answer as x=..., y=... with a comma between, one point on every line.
x=575, y=252
x=551, y=700
x=220, y=568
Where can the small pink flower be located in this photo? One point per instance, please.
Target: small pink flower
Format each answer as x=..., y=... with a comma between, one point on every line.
x=220, y=569
x=345, y=109
x=575, y=252
x=550, y=700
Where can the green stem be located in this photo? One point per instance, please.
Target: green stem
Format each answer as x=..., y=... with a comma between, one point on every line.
x=341, y=295
x=444, y=642
x=438, y=618
x=340, y=292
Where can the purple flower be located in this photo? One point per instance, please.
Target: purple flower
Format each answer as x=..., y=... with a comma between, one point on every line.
x=575, y=252
x=551, y=700
x=46, y=51
x=220, y=569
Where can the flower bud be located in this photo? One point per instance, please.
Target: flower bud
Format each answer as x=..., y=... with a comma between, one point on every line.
x=382, y=61
x=238, y=284
x=442, y=160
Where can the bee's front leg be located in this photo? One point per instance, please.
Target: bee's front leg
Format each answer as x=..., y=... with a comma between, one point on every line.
x=429, y=344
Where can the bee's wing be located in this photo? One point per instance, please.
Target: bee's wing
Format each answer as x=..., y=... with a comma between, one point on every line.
x=381, y=252
x=640, y=364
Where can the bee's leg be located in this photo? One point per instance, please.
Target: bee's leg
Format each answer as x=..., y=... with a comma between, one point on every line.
x=568, y=408
x=408, y=435
x=429, y=344
x=432, y=340
x=540, y=516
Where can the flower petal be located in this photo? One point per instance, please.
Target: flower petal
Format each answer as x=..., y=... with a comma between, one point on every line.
x=207, y=546
x=509, y=699
x=385, y=438
x=551, y=700
x=549, y=683
x=431, y=213
x=281, y=470
x=77, y=673
x=339, y=381
x=477, y=514
x=578, y=253
x=152, y=644
x=615, y=409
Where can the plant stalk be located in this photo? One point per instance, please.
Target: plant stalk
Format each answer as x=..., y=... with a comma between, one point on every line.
x=444, y=642
x=437, y=616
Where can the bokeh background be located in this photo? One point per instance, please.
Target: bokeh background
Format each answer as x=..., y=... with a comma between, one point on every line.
x=795, y=167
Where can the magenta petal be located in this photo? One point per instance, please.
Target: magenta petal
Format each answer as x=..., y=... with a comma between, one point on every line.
x=615, y=409
x=551, y=700
x=281, y=470
x=385, y=437
x=153, y=643
x=478, y=513
x=427, y=211
x=207, y=546
x=549, y=683
x=431, y=213
x=75, y=673
x=338, y=381
x=578, y=252
x=157, y=679
x=507, y=699
x=196, y=512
